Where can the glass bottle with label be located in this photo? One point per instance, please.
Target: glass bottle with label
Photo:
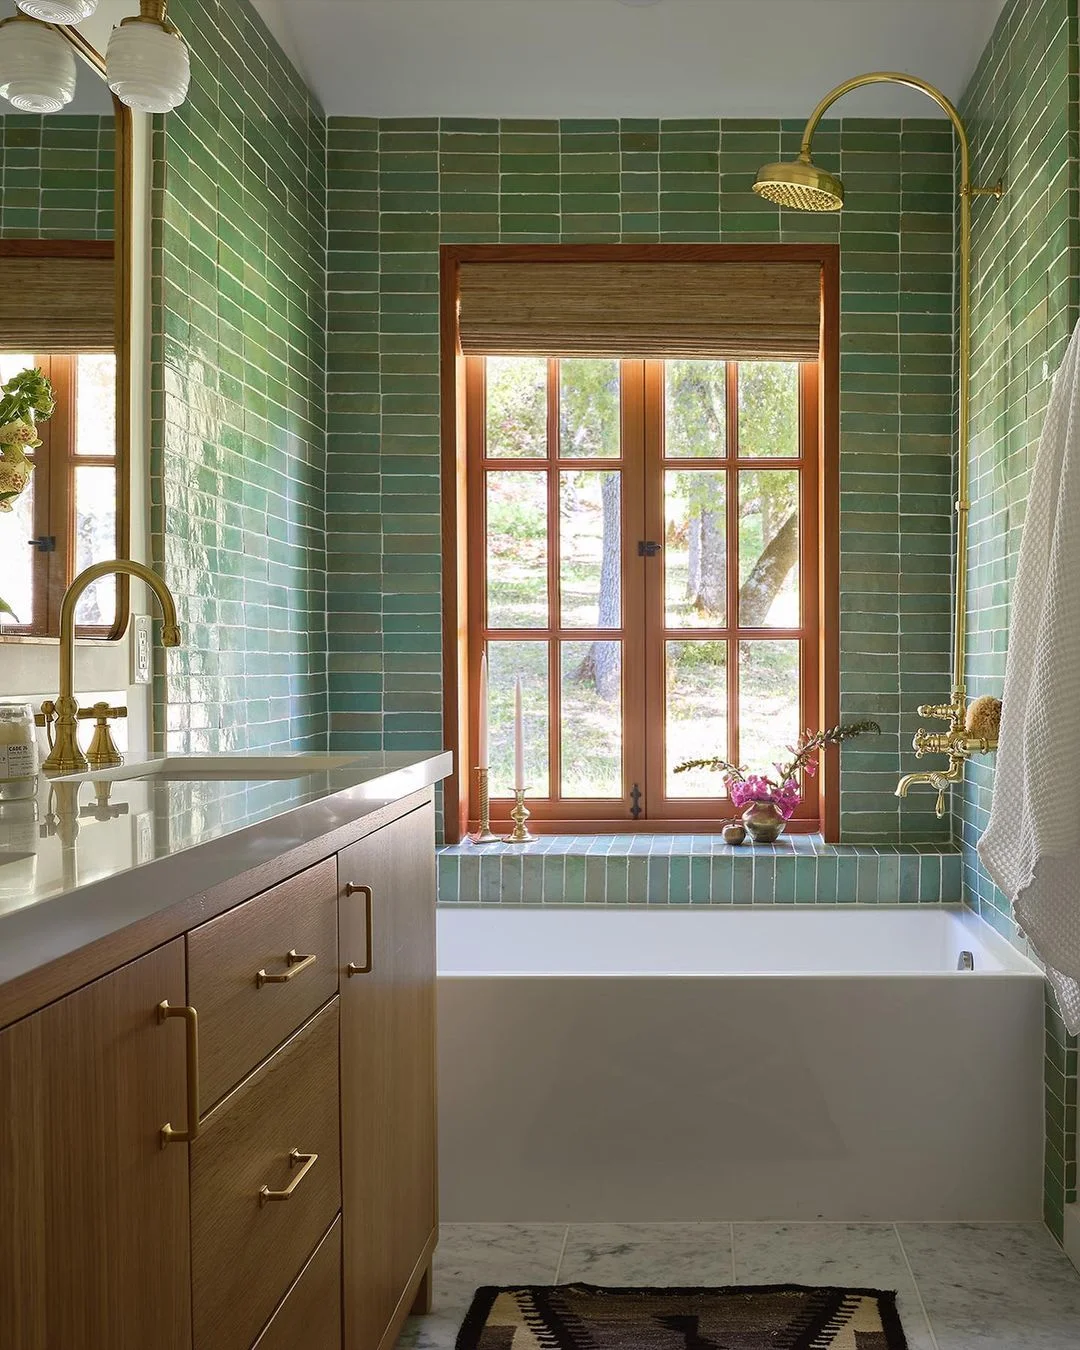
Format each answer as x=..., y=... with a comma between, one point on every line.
x=18, y=751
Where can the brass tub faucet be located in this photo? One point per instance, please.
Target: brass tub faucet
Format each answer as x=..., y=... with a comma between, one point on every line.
x=64, y=755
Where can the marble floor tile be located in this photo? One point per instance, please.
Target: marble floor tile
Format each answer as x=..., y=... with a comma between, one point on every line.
x=994, y=1286
x=862, y=1255
x=689, y=1254
x=473, y=1254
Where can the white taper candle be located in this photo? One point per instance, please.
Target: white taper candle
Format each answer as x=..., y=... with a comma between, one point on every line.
x=484, y=753
x=519, y=737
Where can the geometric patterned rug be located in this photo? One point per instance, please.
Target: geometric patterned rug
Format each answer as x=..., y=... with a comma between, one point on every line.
x=739, y=1317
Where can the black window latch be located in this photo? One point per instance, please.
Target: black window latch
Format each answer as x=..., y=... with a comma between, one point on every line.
x=647, y=548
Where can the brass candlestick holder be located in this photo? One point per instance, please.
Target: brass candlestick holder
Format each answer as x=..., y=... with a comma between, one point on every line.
x=519, y=815
x=484, y=835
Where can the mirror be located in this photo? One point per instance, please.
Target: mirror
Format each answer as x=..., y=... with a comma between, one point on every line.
x=65, y=200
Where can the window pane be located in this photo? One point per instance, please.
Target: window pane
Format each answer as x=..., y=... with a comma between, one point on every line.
x=769, y=408
x=12, y=362
x=506, y=661
x=768, y=702
x=95, y=404
x=696, y=403
x=590, y=549
x=589, y=409
x=695, y=553
x=769, y=548
x=517, y=582
x=696, y=703
x=95, y=540
x=590, y=724
x=17, y=557
x=516, y=406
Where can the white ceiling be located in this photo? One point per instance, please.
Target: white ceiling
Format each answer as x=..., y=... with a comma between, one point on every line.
x=629, y=58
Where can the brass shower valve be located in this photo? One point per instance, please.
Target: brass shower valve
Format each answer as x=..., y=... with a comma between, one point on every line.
x=958, y=745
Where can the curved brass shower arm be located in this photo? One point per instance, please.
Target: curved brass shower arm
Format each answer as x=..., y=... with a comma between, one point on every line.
x=912, y=82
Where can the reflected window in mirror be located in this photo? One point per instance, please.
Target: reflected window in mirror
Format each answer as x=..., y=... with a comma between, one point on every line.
x=67, y=518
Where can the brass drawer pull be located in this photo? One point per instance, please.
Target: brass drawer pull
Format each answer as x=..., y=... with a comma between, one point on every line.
x=169, y=1135
x=296, y=964
x=352, y=968
x=306, y=1160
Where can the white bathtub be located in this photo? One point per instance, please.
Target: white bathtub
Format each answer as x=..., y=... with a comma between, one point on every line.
x=606, y=1065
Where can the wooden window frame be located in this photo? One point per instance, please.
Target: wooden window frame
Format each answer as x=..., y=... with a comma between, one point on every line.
x=56, y=460
x=820, y=578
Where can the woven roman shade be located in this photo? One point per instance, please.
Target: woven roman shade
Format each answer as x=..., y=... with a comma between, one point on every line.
x=721, y=310
x=57, y=304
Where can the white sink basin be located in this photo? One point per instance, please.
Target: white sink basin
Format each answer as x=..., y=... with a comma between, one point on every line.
x=238, y=768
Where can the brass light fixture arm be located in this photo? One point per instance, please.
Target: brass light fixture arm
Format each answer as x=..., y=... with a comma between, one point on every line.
x=954, y=711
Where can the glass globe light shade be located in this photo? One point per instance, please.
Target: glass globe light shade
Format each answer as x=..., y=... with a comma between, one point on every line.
x=37, y=67
x=147, y=67
x=58, y=11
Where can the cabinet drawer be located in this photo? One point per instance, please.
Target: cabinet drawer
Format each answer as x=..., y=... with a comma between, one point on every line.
x=246, y=1246
x=250, y=992
x=311, y=1314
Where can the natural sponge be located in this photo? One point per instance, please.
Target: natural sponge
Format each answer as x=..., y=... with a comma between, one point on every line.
x=983, y=718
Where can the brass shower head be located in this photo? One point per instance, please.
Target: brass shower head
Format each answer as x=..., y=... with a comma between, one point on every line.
x=800, y=184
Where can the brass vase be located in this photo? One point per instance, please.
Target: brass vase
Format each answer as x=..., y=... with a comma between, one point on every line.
x=764, y=822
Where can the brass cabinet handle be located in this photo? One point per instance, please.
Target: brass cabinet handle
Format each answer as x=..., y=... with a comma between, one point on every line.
x=295, y=962
x=169, y=1135
x=306, y=1160
x=352, y=889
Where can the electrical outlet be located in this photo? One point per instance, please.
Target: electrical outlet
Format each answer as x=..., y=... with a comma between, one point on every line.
x=141, y=634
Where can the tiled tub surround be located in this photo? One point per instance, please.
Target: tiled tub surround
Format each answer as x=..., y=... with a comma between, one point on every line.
x=960, y=1286
x=711, y=1063
x=1021, y=108
x=400, y=188
x=661, y=869
x=56, y=176
x=238, y=380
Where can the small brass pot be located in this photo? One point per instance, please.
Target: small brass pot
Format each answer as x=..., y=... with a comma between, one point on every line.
x=764, y=822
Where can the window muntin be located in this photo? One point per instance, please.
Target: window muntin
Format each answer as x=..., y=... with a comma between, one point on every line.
x=707, y=643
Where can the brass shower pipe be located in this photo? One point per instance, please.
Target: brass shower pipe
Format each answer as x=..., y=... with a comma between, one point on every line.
x=803, y=185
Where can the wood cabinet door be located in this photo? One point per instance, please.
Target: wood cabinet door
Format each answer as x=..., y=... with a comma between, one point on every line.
x=387, y=1073
x=94, y=1241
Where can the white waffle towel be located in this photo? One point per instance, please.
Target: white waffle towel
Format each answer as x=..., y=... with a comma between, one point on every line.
x=1031, y=846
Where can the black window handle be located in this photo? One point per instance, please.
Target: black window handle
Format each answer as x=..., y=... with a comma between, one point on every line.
x=647, y=548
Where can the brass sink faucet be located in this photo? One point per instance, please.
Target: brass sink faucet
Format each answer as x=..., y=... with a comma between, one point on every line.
x=65, y=756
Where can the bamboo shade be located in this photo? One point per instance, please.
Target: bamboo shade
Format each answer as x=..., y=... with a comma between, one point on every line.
x=720, y=310
x=57, y=304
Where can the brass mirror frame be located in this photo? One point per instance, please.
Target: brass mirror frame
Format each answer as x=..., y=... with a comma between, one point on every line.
x=122, y=275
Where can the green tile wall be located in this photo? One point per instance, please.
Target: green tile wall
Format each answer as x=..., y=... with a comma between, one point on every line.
x=238, y=371
x=1021, y=109
x=685, y=869
x=56, y=176
x=400, y=188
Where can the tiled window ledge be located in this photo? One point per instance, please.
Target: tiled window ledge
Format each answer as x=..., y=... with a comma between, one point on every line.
x=664, y=869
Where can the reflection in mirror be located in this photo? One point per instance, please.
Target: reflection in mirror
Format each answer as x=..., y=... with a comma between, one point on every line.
x=60, y=269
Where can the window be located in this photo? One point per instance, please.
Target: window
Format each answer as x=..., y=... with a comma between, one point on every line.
x=67, y=518
x=643, y=552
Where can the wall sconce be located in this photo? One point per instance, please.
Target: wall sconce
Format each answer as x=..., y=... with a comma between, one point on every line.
x=148, y=66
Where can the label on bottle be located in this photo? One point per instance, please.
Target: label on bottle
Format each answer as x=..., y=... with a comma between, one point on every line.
x=17, y=760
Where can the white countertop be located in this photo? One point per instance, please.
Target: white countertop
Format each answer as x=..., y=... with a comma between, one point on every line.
x=75, y=867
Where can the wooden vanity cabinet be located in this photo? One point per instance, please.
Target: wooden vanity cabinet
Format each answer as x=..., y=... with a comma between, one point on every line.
x=94, y=1234
x=295, y=1216
x=388, y=1143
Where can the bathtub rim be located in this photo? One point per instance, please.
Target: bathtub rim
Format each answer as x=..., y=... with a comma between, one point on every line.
x=1016, y=962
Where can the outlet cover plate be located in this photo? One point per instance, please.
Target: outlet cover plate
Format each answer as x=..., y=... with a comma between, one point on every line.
x=141, y=636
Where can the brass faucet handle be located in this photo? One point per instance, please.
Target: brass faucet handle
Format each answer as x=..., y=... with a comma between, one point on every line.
x=102, y=753
x=101, y=712
x=944, y=712
x=929, y=743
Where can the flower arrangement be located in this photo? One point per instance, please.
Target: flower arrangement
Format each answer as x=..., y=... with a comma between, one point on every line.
x=783, y=791
x=25, y=400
